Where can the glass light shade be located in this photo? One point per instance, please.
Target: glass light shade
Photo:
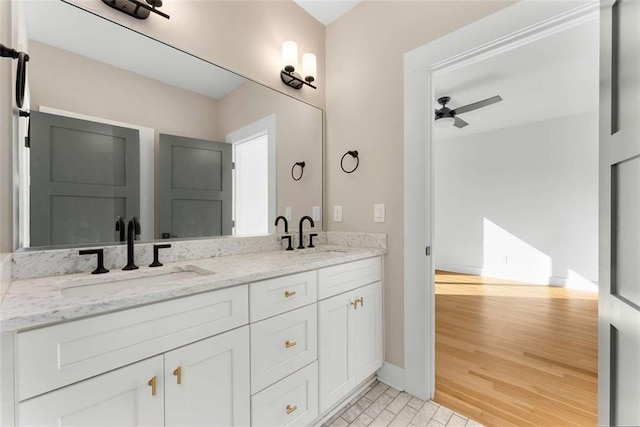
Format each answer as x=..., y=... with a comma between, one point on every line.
x=445, y=122
x=309, y=67
x=289, y=56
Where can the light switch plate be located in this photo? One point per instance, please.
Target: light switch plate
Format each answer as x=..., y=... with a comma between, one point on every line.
x=337, y=213
x=315, y=213
x=287, y=213
x=378, y=213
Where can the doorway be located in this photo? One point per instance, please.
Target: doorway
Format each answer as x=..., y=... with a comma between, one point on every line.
x=509, y=28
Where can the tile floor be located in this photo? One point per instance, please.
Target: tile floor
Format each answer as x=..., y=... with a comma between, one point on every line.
x=380, y=405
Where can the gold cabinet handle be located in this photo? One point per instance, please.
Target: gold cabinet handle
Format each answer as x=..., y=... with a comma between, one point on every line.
x=153, y=383
x=289, y=294
x=354, y=304
x=361, y=301
x=178, y=373
x=290, y=409
x=290, y=344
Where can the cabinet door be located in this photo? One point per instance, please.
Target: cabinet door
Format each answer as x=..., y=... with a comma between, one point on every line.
x=124, y=397
x=368, y=331
x=336, y=335
x=207, y=382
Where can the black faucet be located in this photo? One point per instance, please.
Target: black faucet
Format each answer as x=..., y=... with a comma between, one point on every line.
x=120, y=227
x=133, y=230
x=301, y=245
x=286, y=223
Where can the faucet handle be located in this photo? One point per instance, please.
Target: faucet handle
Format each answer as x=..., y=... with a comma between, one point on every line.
x=100, y=252
x=311, y=236
x=288, y=239
x=156, y=250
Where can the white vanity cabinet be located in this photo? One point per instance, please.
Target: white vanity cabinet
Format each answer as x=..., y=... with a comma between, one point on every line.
x=278, y=352
x=204, y=383
x=119, y=398
x=350, y=330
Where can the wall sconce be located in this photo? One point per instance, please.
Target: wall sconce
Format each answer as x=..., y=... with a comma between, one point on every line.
x=137, y=8
x=290, y=62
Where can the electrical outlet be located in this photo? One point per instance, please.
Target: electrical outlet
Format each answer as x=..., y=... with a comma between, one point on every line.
x=287, y=213
x=337, y=213
x=315, y=213
x=506, y=259
x=378, y=213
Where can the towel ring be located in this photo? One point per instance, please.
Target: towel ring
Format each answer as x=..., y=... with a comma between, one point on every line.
x=353, y=154
x=21, y=78
x=301, y=164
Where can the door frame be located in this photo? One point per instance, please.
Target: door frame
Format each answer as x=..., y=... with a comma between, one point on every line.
x=509, y=28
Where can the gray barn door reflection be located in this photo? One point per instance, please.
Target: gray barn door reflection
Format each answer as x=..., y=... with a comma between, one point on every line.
x=195, y=187
x=83, y=176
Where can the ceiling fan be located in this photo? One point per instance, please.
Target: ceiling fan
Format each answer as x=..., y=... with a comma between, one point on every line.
x=446, y=117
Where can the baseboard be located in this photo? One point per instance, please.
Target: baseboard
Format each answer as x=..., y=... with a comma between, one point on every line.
x=525, y=278
x=391, y=375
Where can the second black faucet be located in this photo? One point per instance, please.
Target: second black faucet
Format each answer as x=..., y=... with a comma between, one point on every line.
x=306, y=217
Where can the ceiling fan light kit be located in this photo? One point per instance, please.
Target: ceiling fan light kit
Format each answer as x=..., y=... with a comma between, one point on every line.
x=445, y=116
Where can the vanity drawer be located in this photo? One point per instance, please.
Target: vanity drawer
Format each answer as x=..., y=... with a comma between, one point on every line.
x=290, y=402
x=271, y=297
x=345, y=277
x=282, y=345
x=54, y=356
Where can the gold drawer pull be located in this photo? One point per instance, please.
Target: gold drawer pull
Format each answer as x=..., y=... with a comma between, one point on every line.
x=361, y=301
x=354, y=303
x=153, y=383
x=290, y=344
x=290, y=409
x=289, y=294
x=178, y=373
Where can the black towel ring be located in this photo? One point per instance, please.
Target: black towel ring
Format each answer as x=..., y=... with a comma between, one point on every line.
x=301, y=164
x=353, y=154
x=22, y=71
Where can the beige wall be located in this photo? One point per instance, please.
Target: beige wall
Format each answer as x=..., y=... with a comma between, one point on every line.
x=243, y=36
x=298, y=138
x=364, y=55
x=67, y=81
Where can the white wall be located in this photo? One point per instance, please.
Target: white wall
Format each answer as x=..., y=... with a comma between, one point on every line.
x=528, y=193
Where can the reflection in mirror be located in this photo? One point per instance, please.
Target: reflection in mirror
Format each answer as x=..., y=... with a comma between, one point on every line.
x=123, y=125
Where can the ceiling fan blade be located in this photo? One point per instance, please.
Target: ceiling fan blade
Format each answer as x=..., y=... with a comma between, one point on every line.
x=476, y=105
x=459, y=123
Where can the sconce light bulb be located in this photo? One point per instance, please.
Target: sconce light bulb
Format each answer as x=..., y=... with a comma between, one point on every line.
x=289, y=56
x=309, y=67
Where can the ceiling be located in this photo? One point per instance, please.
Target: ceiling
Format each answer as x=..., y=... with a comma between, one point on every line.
x=59, y=24
x=552, y=77
x=327, y=11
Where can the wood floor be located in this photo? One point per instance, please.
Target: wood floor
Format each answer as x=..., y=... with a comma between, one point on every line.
x=516, y=354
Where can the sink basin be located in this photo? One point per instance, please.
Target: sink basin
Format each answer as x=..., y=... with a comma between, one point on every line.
x=317, y=251
x=103, y=288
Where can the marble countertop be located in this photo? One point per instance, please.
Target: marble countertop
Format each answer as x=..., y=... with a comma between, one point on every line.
x=36, y=302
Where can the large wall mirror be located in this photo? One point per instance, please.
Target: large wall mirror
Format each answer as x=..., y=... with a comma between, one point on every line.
x=123, y=125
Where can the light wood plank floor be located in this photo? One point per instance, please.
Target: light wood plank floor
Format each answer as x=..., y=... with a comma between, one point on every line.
x=516, y=354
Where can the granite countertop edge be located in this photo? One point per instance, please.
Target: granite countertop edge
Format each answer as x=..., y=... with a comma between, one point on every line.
x=32, y=303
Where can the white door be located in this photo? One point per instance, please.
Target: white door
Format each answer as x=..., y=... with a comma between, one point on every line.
x=619, y=282
x=207, y=382
x=251, y=185
x=368, y=331
x=336, y=335
x=124, y=397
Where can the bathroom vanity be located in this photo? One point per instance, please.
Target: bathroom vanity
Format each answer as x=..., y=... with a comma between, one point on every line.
x=283, y=341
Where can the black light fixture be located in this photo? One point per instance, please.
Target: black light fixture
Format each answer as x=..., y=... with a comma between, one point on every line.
x=137, y=9
x=290, y=62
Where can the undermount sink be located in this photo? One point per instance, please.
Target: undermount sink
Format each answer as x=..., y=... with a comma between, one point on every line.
x=102, y=288
x=316, y=251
